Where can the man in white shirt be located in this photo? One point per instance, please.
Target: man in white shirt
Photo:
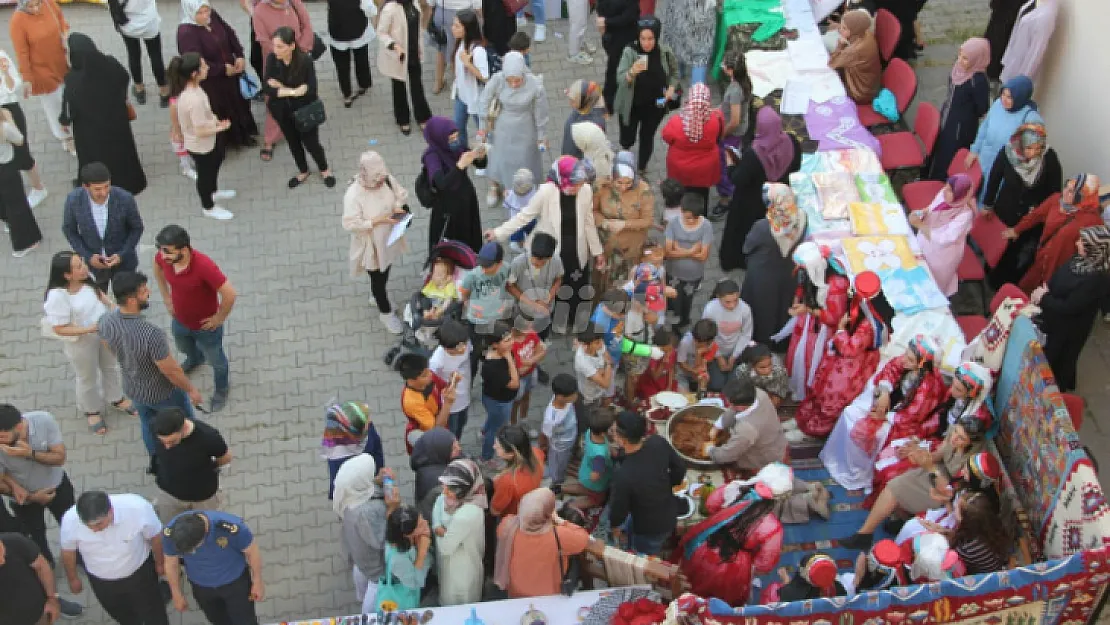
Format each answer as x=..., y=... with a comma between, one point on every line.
x=119, y=538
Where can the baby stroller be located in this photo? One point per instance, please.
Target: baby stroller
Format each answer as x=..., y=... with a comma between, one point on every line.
x=418, y=331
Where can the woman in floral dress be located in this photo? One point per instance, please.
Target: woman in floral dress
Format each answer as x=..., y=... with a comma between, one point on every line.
x=852, y=358
x=623, y=210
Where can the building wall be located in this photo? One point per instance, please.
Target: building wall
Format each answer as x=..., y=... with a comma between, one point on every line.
x=1072, y=88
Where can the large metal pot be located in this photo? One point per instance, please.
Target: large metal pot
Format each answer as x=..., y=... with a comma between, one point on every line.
x=702, y=411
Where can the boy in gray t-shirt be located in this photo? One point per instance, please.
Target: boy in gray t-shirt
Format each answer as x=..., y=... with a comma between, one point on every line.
x=534, y=278
x=689, y=239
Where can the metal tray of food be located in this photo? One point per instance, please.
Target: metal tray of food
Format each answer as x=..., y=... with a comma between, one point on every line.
x=702, y=417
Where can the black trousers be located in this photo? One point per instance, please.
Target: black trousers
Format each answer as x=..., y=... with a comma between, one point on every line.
x=135, y=59
x=378, y=281
x=208, y=173
x=229, y=604
x=15, y=211
x=30, y=515
x=401, y=101
x=574, y=299
x=683, y=301
x=342, y=60
x=643, y=121
x=133, y=600
x=301, y=141
x=256, y=60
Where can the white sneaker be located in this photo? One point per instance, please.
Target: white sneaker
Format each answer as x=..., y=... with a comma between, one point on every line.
x=521, y=22
x=219, y=212
x=480, y=172
x=540, y=34
x=581, y=58
x=224, y=194
x=189, y=173
x=36, y=196
x=589, y=47
x=25, y=251
x=392, y=323
x=69, y=146
x=493, y=198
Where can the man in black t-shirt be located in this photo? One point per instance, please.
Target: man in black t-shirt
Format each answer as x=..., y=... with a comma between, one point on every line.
x=27, y=582
x=190, y=454
x=641, y=502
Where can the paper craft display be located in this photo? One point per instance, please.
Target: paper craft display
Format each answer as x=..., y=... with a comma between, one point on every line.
x=875, y=188
x=853, y=161
x=835, y=192
x=881, y=254
x=833, y=121
x=808, y=54
x=871, y=218
x=769, y=70
x=911, y=291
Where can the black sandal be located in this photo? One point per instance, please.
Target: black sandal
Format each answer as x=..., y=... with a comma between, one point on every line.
x=406, y=129
x=98, y=427
x=131, y=410
x=297, y=181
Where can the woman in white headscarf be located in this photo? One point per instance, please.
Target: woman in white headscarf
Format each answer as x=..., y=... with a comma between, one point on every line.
x=363, y=511
x=458, y=522
x=591, y=141
x=11, y=90
x=513, y=114
x=373, y=204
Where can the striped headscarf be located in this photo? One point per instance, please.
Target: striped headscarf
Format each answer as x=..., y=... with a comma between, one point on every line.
x=984, y=468
x=584, y=94
x=1096, y=251
x=1027, y=135
x=696, y=112
x=566, y=173
x=925, y=348
x=464, y=479
x=345, y=423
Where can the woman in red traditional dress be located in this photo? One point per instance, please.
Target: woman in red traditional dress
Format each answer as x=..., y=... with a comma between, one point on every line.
x=852, y=358
x=900, y=401
x=820, y=302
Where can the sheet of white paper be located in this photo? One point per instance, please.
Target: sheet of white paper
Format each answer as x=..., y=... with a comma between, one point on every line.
x=808, y=54
x=769, y=70
x=795, y=97
x=398, y=230
x=825, y=86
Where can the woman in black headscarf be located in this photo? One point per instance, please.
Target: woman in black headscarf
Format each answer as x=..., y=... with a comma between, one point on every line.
x=95, y=106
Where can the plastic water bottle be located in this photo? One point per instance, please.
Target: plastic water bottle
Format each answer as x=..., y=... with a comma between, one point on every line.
x=387, y=486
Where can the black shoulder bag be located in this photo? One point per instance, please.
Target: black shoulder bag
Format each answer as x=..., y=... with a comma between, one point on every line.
x=568, y=576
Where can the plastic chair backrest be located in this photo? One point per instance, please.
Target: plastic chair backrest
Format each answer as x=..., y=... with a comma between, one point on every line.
x=900, y=78
x=959, y=166
x=986, y=231
x=888, y=30
x=1006, y=291
x=927, y=125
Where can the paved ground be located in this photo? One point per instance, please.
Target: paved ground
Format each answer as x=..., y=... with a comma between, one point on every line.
x=302, y=331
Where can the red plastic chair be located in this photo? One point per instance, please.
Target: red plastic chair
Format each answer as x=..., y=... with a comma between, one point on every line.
x=1076, y=407
x=971, y=325
x=920, y=193
x=1004, y=292
x=900, y=78
x=900, y=150
x=986, y=232
x=888, y=30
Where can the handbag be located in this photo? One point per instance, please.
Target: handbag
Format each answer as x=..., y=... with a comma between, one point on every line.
x=249, y=87
x=512, y=7
x=493, y=111
x=435, y=31
x=568, y=576
x=394, y=597
x=131, y=114
x=310, y=116
x=425, y=192
x=318, y=47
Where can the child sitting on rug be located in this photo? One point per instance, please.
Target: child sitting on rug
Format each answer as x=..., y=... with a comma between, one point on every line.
x=758, y=364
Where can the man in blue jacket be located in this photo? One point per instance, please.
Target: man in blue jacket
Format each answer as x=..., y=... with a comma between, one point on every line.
x=102, y=224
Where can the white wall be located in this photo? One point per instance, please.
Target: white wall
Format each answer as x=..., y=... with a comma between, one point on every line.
x=1073, y=88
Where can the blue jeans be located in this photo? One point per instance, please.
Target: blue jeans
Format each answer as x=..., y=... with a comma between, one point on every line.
x=201, y=346
x=538, y=12
x=461, y=119
x=177, y=399
x=643, y=544
x=456, y=421
x=497, y=415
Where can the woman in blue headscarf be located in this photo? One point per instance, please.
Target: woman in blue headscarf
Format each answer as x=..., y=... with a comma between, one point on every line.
x=1013, y=108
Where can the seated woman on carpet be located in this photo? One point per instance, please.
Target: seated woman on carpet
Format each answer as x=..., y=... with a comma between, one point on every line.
x=979, y=476
x=888, y=565
x=852, y=357
x=913, y=491
x=981, y=535
x=815, y=579
x=898, y=402
x=820, y=301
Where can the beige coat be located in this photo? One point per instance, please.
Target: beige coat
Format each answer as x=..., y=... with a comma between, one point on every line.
x=394, y=28
x=544, y=208
x=368, y=243
x=756, y=439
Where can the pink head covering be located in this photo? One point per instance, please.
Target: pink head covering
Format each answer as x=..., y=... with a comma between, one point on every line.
x=772, y=145
x=962, y=196
x=696, y=112
x=567, y=172
x=533, y=517
x=978, y=51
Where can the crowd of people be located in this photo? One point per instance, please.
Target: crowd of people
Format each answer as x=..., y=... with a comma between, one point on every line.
x=586, y=251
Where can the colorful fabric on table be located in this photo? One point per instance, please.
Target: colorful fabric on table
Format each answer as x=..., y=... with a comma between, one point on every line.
x=835, y=125
x=744, y=24
x=835, y=192
x=875, y=188
x=853, y=161
x=870, y=218
x=881, y=254
x=910, y=291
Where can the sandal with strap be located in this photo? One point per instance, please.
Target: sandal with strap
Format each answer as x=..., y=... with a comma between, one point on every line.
x=130, y=409
x=266, y=154
x=97, y=427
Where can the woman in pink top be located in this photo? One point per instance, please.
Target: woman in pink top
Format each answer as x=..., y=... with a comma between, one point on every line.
x=942, y=230
x=198, y=127
x=268, y=16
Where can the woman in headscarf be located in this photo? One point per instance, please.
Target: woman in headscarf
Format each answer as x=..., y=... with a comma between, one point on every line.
x=1013, y=108
x=898, y=402
x=647, y=80
x=348, y=432
x=815, y=579
x=1062, y=215
x=692, y=137
x=1000, y=25
x=856, y=57
x=363, y=511
x=768, y=284
x=563, y=207
x=942, y=230
x=430, y=456
x=94, y=104
x=591, y=143
x=1028, y=41
x=527, y=561
x=912, y=491
x=267, y=18
x=205, y=32
x=586, y=106
x=853, y=354
x=967, y=101
x=400, y=53
x=374, y=203
x=1070, y=302
x=820, y=301
x=1025, y=174
x=11, y=91
x=516, y=133
x=771, y=157
x=455, y=212
x=458, y=522
x=38, y=31
x=624, y=210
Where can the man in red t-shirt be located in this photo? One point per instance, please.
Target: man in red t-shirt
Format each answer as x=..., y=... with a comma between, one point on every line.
x=199, y=298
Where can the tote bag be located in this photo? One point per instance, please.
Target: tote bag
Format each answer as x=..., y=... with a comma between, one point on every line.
x=393, y=597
